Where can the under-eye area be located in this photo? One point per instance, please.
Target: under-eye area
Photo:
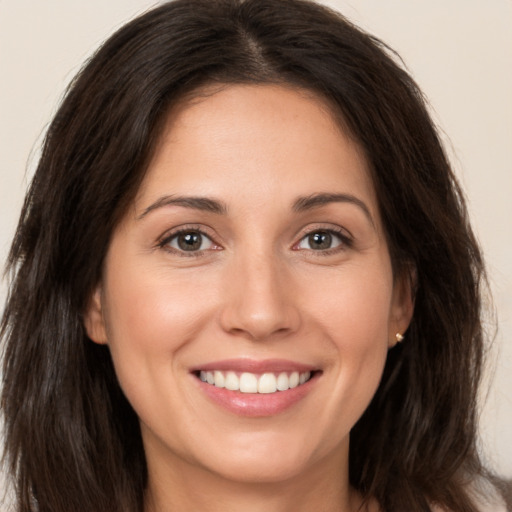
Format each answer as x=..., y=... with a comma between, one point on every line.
x=247, y=382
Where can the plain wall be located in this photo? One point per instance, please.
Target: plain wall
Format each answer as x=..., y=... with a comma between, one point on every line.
x=459, y=51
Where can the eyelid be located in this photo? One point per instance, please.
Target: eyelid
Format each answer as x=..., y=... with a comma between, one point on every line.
x=343, y=234
x=347, y=240
x=164, y=240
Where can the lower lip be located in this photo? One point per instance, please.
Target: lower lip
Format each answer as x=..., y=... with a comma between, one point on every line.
x=257, y=404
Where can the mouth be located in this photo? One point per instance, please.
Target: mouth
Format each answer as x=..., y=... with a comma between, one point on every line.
x=248, y=382
x=256, y=388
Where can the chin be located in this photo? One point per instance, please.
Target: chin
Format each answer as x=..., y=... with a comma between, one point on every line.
x=266, y=459
x=261, y=469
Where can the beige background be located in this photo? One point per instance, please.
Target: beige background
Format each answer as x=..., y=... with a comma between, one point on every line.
x=460, y=52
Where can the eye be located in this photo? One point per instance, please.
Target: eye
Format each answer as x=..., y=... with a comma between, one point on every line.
x=188, y=241
x=322, y=240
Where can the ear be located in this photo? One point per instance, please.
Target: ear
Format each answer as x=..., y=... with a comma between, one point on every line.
x=402, y=306
x=94, y=321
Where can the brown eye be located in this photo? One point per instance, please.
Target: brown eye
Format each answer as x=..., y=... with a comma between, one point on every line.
x=322, y=240
x=189, y=241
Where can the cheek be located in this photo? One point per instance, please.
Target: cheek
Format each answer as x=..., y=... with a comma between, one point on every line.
x=353, y=313
x=354, y=306
x=150, y=310
x=149, y=319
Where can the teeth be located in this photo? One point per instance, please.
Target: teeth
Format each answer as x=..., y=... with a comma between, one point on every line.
x=219, y=379
x=248, y=383
x=283, y=382
x=232, y=382
x=252, y=383
x=267, y=383
x=294, y=379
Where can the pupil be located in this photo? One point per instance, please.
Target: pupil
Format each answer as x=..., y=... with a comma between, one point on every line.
x=320, y=240
x=189, y=241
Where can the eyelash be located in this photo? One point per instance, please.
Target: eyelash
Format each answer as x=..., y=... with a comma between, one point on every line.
x=346, y=241
x=164, y=243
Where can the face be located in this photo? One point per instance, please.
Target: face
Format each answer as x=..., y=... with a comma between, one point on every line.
x=247, y=297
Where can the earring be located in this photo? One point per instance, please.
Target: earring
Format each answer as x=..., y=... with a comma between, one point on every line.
x=399, y=337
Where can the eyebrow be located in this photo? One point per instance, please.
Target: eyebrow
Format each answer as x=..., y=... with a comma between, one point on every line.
x=210, y=205
x=197, y=203
x=317, y=200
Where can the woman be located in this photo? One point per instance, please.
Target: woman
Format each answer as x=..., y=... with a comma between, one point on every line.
x=243, y=279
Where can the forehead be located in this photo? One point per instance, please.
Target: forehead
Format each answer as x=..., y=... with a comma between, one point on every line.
x=257, y=137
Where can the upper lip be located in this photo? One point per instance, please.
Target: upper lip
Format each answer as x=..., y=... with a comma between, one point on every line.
x=255, y=366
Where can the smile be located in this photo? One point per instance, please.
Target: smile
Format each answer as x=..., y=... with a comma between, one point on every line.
x=256, y=388
x=247, y=382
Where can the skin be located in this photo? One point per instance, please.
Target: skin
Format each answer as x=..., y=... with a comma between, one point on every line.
x=257, y=288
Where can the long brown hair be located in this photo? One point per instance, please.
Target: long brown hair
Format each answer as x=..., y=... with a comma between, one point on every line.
x=72, y=439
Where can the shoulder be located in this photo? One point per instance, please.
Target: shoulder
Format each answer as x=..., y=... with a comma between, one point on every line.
x=484, y=505
x=488, y=497
x=495, y=506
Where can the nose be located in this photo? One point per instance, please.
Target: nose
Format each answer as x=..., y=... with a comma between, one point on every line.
x=259, y=300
